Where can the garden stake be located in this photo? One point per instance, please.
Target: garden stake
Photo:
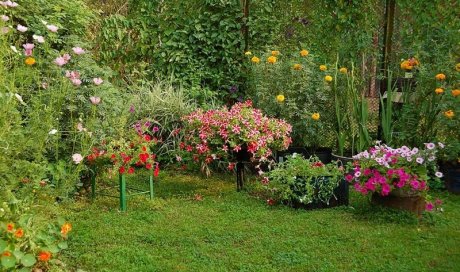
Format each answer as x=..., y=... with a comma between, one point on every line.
x=93, y=184
x=122, y=193
x=151, y=186
x=239, y=176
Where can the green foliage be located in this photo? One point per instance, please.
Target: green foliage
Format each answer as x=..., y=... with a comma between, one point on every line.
x=300, y=180
x=24, y=235
x=305, y=92
x=197, y=43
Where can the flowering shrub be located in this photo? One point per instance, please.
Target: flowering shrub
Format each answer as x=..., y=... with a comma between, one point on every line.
x=293, y=86
x=215, y=134
x=300, y=180
x=386, y=170
x=24, y=243
x=128, y=153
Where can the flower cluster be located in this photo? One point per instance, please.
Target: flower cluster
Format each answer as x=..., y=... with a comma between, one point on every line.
x=409, y=64
x=383, y=169
x=129, y=153
x=214, y=134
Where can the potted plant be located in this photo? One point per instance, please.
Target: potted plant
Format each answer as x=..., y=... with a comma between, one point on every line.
x=307, y=183
x=225, y=134
x=397, y=178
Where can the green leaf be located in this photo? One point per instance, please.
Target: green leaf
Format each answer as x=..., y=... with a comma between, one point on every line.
x=53, y=249
x=61, y=221
x=19, y=254
x=3, y=245
x=63, y=245
x=28, y=260
x=8, y=262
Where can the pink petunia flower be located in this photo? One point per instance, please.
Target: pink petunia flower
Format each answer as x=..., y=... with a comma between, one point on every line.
x=21, y=28
x=430, y=145
x=78, y=50
x=439, y=174
x=429, y=206
x=52, y=28
x=97, y=81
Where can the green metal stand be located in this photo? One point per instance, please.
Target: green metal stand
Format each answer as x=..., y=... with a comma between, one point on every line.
x=122, y=188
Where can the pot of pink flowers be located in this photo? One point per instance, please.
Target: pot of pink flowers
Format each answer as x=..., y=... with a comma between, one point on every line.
x=235, y=135
x=397, y=177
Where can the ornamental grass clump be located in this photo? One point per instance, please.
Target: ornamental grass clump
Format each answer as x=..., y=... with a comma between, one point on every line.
x=217, y=134
x=399, y=171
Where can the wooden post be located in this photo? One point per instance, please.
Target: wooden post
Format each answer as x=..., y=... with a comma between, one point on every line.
x=93, y=183
x=245, y=28
x=387, y=40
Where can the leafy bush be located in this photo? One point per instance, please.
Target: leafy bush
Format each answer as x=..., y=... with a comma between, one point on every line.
x=27, y=240
x=302, y=181
x=292, y=86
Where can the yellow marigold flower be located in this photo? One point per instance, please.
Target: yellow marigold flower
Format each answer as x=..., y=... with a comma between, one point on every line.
x=255, y=59
x=457, y=67
x=315, y=116
x=280, y=98
x=439, y=90
x=271, y=59
x=449, y=113
x=456, y=92
x=304, y=53
x=323, y=67
x=343, y=70
x=248, y=53
x=66, y=228
x=275, y=53
x=328, y=78
x=297, y=66
x=440, y=77
x=30, y=61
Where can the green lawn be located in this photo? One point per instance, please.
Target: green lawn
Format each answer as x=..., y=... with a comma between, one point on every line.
x=230, y=231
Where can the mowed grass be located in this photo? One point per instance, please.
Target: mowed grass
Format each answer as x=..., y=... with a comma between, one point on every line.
x=231, y=231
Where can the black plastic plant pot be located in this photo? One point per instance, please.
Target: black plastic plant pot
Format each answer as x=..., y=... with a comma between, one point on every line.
x=323, y=154
x=452, y=177
x=281, y=155
x=341, y=198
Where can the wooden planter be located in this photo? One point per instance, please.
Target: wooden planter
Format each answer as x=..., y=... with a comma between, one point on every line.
x=414, y=203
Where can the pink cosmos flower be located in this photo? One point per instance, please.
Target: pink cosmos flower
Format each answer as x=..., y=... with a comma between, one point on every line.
x=429, y=206
x=39, y=39
x=21, y=28
x=5, y=18
x=77, y=158
x=95, y=100
x=97, y=81
x=66, y=57
x=28, y=48
x=78, y=50
x=52, y=28
x=60, y=61
x=76, y=81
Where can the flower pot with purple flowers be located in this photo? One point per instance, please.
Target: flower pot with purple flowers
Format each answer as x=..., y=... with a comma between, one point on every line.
x=396, y=177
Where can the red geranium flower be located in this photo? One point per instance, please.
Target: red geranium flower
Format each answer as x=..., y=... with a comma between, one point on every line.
x=131, y=170
x=122, y=170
